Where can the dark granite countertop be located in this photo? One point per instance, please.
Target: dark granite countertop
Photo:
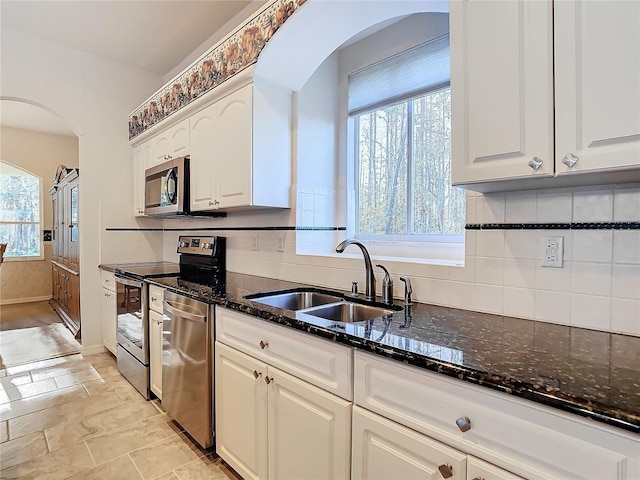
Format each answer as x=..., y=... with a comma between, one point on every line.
x=589, y=373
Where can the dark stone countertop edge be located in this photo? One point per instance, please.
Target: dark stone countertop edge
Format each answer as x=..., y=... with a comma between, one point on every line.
x=554, y=398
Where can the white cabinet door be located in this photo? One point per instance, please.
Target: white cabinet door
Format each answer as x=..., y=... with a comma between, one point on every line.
x=172, y=143
x=480, y=470
x=241, y=411
x=109, y=307
x=309, y=430
x=383, y=449
x=597, y=81
x=234, y=151
x=204, y=169
x=142, y=157
x=502, y=90
x=155, y=352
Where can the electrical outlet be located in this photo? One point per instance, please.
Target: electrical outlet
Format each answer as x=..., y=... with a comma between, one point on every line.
x=254, y=242
x=280, y=243
x=552, y=251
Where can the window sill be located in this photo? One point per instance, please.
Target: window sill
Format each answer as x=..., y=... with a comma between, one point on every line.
x=23, y=259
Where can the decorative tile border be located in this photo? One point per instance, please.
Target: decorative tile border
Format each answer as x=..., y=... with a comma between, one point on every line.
x=229, y=57
x=555, y=226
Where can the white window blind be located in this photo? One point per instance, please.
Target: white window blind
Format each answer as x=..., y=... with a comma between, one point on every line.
x=411, y=73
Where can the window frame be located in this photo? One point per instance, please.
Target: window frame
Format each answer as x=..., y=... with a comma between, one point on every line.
x=39, y=223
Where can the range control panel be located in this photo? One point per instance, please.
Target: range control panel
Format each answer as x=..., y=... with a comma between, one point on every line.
x=207, y=246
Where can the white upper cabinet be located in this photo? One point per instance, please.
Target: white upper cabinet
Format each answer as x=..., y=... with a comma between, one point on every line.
x=510, y=129
x=172, y=143
x=502, y=90
x=241, y=151
x=142, y=158
x=597, y=80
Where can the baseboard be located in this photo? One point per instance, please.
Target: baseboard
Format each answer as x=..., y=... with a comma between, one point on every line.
x=92, y=349
x=11, y=301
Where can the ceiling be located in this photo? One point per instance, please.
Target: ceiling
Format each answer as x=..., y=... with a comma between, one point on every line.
x=154, y=35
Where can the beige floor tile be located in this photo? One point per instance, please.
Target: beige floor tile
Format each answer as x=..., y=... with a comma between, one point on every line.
x=15, y=380
x=51, y=466
x=121, y=468
x=77, y=378
x=60, y=370
x=123, y=389
x=209, y=467
x=79, y=427
x=112, y=444
x=15, y=452
x=162, y=457
x=27, y=390
x=4, y=434
x=40, y=402
x=44, y=364
x=168, y=476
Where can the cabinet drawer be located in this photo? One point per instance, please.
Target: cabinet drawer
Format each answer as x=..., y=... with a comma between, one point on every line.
x=319, y=362
x=521, y=436
x=479, y=470
x=108, y=280
x=156, y=297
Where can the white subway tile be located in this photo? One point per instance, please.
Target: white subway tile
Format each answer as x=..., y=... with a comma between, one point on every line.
x=519, y=273
x=521, y=244
x=626, y=246
x=520, y=208
x=489, y=271
x=470, y=237
x=553, y=307
x=626, y=204
x=464, y=274
x=461, y=295
x=490, y=243
x=490, y=209
x=590, y=311
x=471, y=209
x=519, y=302
x=554, y=207
x=593, y=206
x=591, y=278
x=592, y=245
x=553, y=279
x=626, y=281
x=428, y=290
x=625, y=316
x=488, y=298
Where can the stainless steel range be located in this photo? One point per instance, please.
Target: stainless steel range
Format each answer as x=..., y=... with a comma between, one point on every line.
x=188, y=337
x=132, y=331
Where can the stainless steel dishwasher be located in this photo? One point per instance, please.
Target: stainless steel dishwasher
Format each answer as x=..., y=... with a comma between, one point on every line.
x=187, y=379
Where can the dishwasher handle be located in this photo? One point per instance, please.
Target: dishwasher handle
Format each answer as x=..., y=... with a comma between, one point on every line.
x=174, y=310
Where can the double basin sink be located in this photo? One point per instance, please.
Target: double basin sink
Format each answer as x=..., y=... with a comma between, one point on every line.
x=329, y=306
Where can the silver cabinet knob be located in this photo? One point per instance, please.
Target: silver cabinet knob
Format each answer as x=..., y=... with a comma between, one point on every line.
x=446, y=470
x=263, y=344
x=256, y=374
x=268, y=380
x=464, y=424
x=535, y=163
x=570, y=160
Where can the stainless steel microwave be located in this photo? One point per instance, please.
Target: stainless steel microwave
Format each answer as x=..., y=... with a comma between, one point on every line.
x=166, y=188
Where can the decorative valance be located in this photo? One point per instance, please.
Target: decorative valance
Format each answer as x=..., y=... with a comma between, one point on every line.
x=230, y=56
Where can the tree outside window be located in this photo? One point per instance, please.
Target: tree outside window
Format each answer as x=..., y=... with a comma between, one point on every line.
x=20, y=204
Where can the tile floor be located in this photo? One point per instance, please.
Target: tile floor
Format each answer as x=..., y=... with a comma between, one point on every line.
x=76, y=417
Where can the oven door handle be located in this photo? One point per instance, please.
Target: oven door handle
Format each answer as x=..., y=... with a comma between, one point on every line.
x=129, y=282
x=174, y=310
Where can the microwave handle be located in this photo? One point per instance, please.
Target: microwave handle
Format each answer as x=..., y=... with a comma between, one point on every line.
x=172, y=177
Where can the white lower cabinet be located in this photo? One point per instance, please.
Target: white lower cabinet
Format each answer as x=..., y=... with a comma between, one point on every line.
x=480, y=470
x=155, y=352
x=270, y=424
x=383, y=449
x=109, y=311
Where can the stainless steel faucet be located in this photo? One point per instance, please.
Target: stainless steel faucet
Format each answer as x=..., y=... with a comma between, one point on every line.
x=370, y=286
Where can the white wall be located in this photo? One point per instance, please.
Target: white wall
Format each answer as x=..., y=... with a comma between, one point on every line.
x=94, y=96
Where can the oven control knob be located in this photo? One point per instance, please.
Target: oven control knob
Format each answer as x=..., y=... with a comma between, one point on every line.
x=183, y=244
x=206, y=246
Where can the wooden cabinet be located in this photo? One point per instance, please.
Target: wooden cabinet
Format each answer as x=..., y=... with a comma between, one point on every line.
x=156, y=298
x=66, y=248
x=275, y=415
x=172, y=143
x=109, y=310
x=270, y=424
x=512, y=126
x=241, y=151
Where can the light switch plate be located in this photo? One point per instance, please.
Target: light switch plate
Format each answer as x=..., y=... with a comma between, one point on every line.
x=552, y=251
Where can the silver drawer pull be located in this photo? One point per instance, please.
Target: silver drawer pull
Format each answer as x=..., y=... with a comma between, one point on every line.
x=446, y=471
x=256, y=374
x=263, y=345
x=535, y=163
x=464, y=424
x=570, y=160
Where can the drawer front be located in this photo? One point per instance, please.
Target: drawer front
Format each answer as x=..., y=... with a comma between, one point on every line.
x=156, y=297
x=480, y=470
x=320, y=362
x=108, y=280
x=524, y=437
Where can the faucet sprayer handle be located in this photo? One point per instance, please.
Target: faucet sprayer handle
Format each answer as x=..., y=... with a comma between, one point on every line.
x=407, y=290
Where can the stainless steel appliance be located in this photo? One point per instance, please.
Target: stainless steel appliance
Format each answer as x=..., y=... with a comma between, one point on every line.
x=132, y=323
x=166, y=188
x=188, y=337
